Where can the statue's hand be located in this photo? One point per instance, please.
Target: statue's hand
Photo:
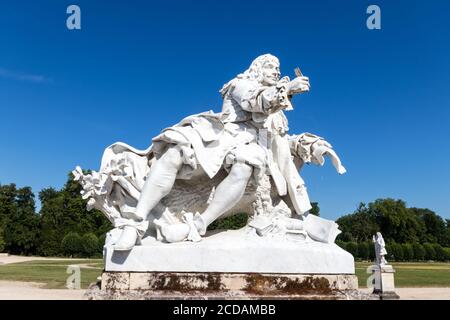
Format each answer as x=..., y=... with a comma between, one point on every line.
x=298, y=85
x=321, y=148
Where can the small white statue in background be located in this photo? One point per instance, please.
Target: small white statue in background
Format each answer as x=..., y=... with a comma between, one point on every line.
x=380, y=249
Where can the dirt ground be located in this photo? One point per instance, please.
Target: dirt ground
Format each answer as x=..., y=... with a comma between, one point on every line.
x=14, y=290
x=421, y=293
x=17, y=290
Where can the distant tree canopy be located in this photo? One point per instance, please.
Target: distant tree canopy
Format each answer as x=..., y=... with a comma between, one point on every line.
x=2, y=239
x=23, y=231
x=315, y=209
x=64, y=226
x=396, y=222
x=18, y=220
x=63, y=212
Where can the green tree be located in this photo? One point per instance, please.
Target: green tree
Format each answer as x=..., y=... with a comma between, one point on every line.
x=447, y=236
x=390, y=251
x=430, y=254
x=352, y=247
x=397, y=251
x=359, y=226
x=7, y=202
x=90, y=244
x=21, y=226
x=408, y=252
x=435, y=228
x=230, y=223
x=315, y=209
x=447, y=253
x=2, y=240
x=65, y=211
x=52, y=223
x=419, y=251
x=363, y=251
x=101, y=243
x=341, y=244
x=395, y=221
x=72, y=244
x=440, y=254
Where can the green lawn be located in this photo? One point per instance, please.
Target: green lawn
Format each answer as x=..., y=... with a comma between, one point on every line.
x=412, y=274
x=53, y=273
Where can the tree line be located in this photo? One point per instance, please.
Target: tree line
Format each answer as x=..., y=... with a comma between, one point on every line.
x=398, y=251
x=411, y=234
x=63, y=226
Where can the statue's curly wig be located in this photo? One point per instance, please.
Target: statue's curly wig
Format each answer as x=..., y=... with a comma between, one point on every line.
x=254, y=72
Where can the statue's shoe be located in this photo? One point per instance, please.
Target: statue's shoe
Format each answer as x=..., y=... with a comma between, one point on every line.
x=174, y=232
x=127, y=239
x=191, y=230
x=200, y=224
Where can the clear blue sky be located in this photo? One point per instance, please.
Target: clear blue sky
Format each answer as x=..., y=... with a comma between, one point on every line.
x=382, y=98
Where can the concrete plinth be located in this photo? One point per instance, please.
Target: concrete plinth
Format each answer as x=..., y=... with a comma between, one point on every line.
x=384, y=285
x=233, y=251
x=236, y=264
x=162, y=285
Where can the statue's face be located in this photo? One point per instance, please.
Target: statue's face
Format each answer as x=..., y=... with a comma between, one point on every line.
x=271, y=73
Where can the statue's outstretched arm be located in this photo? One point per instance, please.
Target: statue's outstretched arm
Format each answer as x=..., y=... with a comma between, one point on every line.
x=307, y=148
x=253, y=97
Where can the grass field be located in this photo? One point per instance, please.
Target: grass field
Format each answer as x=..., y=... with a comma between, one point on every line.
x=53, y=273
x=411, y=274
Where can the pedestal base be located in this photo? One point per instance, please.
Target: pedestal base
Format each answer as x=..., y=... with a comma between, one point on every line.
x=233, y=251
x=384, y=282
x=386, y=295
x=236, y=264
x=162, y=285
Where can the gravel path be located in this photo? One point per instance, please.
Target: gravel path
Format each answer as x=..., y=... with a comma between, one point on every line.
x=16, y=290
x=421, y=293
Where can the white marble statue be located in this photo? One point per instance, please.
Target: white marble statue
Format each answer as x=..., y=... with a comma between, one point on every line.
x=380, y=249
x=211, y=165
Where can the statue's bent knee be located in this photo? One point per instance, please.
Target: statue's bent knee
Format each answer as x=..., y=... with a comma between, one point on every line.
x=241, y=171
x=173, y=157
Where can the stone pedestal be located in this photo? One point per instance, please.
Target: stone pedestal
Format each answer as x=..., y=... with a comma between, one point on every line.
x=175, y=285
x=233, y=251
x=384, y=284
x=229, y=265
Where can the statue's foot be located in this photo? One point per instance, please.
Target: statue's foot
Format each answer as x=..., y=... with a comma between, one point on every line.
x=127, y=239
x=200, y=224
x=173, y=232
x=191, y=230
